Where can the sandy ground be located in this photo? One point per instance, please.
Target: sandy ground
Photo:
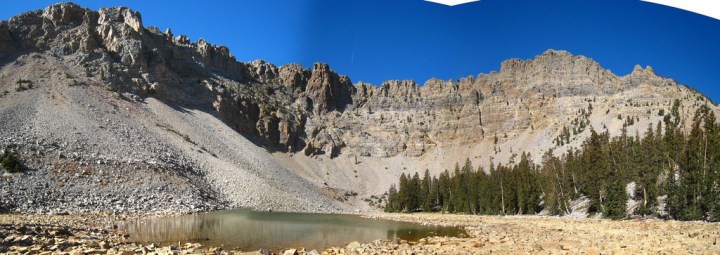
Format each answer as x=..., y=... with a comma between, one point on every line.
x=553, y=235
x=97, y=234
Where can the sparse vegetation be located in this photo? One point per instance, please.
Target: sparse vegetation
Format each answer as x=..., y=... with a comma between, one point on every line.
x=22, y=85
x=563, y=138
x=187, y=139
x=629, y=121
x=345, y=197
x=10, y=162
x=376, y=201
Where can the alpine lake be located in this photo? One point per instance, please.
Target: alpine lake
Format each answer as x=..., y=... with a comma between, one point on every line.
x=247, y=230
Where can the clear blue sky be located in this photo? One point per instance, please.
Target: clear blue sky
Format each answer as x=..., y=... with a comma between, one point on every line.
x=373, y=40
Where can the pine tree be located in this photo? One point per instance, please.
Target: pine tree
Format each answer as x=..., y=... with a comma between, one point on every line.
x=415, y=202
x=457, y=200
x=615, y=205
x=648, y=172
x=530, y=186
x=467, y=188
x=444, y=189
x=392, y=204
x=711, y=158
x=425, y=191
x=594, y=168
x=711, y=199
x=697, y=185
x=487, y=189
x=403, y=193
x=555, y=185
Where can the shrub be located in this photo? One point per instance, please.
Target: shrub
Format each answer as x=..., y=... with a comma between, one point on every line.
x=10, y=162
x=23, y=85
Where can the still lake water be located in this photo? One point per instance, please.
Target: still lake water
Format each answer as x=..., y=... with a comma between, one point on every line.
x=248, y=230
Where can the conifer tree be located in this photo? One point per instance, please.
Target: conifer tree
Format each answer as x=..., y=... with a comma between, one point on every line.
x=425, y=190
x=648, y=173
x=392, y=200
x=445, y=190
x=467, y=183
x=414, y=202
x=403, y=195
x=615, y=205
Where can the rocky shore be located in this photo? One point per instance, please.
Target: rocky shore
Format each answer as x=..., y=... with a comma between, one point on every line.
x=102, y=233
x=82, y=233
x=555, y=235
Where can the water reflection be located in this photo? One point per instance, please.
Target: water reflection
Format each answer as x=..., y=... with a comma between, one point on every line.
x=247, y=230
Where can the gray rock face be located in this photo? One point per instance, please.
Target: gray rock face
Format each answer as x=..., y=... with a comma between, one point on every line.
x=7, y=45
x=295, y=76
x=121, y=32
x=327, y=90
x=293, y=108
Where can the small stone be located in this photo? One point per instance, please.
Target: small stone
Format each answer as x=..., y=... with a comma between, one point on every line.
x=353, y=245
x=591, y=251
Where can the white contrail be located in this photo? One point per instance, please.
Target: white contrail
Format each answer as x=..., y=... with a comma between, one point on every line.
x=352, y=57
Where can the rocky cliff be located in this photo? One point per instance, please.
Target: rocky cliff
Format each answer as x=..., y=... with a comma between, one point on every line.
x=314, y=125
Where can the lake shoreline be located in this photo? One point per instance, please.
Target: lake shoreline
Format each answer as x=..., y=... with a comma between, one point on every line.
x=101, y=233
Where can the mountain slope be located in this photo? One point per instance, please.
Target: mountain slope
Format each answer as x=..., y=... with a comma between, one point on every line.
x=126, y=113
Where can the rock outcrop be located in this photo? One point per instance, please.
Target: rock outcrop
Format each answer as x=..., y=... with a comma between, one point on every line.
x=291, y=108
x=327, y=90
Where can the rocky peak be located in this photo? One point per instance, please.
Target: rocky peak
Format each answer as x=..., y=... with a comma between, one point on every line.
x=327, y=90
x=650, y=70
x=65, y=14
x=399, y=88
x=557, y=72
x=364, y=91
x=435, y=83
x=181, y=40
x=294, y=76
x=168, y=32
x=263, y=71
x=639, y=71
x=550, y=61
x=640, y=76
x=122, y=15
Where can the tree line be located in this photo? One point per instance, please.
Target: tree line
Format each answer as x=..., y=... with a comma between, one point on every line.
x=676, y=173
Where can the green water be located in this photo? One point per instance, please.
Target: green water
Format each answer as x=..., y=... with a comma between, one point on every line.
x=249, y=230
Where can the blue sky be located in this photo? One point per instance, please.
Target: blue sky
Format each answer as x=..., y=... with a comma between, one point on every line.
x=373, y=41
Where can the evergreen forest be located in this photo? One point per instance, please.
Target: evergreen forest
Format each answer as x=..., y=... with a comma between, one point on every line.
x=675, y=171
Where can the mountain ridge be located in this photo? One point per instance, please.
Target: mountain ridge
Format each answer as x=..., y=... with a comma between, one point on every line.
x=289, y=137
